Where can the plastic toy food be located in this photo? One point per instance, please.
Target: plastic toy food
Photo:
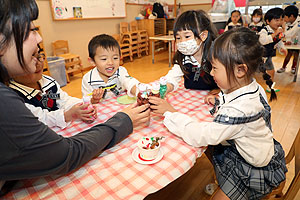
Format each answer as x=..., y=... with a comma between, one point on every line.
x=149, y=147
x=142, y=97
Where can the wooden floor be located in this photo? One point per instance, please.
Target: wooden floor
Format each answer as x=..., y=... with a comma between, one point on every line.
x=285, y=122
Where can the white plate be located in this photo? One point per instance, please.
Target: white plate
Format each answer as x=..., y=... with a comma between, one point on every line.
x=136, y=157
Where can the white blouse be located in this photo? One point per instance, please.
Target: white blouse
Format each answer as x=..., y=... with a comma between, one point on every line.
x=92, y=80
x=253, y=140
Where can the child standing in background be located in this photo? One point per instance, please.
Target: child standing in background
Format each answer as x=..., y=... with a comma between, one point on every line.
x=292, y=34
x=234, y=21
x=247, y=160
x=257, y=20
x=44, y=98
x=270, y=36
x=194, y=34
x=108, y=78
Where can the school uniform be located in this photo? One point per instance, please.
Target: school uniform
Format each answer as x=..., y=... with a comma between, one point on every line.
x=198, y=76
x=231, y=25
x=270, y=44
x=248, y=161
x=293, y=29
x=257, y=27
x=117, y=83
x=49, y=103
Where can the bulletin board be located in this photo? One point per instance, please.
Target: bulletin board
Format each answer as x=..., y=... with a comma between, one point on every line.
x=87, y=9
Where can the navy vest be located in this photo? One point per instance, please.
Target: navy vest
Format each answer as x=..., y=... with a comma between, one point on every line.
x=46, y=101
x=256, y=28
x=198, y=79
x=269, y=48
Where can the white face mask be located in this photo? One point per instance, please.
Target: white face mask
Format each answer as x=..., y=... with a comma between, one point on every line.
x=256, y=19
x=189, y=47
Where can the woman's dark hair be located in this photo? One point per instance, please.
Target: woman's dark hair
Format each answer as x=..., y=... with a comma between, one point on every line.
x=15, y=19
x=273, y=13
x=258, y=11
x=240, y=46
x=197, y=22
x=240, y=20
x=104, y=41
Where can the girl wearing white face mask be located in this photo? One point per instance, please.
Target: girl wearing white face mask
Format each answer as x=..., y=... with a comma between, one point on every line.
x=257, y=22
x=194, y=34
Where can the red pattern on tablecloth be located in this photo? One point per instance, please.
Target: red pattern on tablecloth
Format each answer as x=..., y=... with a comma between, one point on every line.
x=114, y=174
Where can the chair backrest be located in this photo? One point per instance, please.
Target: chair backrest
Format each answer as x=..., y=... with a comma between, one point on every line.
x=295, y=184
x=60, y=47
x=123, y=27
x=133, y=26
x=294, y=187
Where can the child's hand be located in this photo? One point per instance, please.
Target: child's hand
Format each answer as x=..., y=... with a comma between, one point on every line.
x=160, y=106
x=97, y=95
x=214, y=92
x=210, y=99
x=283, y=51
x=81, y=111
x=138, y=114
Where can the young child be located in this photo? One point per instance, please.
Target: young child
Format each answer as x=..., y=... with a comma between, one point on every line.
x=270, y=36
x=108, y=78
x=292, y=34
x=194, y=34
x=257, y=20
x=248, y=161
x=234, y=21
x=44, y=98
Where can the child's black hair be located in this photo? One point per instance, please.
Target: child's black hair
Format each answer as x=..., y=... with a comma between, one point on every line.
x=258, y=11
x=105, y=41
x=291, y=10
x=240, y=46
x=273, y=13
x=197, y=22
x=240, y=20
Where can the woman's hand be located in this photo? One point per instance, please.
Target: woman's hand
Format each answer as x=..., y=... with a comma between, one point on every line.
x=138, y=114
x=97, y=95
x=81, y=111
x=160, y=106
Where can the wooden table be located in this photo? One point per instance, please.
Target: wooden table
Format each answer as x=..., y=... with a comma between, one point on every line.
x=168, y=38
x=114, y=174
x=295, y=47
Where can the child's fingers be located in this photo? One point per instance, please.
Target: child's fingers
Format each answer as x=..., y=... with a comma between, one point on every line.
x=83, y=106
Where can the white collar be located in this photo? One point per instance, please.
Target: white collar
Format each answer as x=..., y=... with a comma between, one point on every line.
x=190, y=60
x=258, y=24
x=269, y=29
x=95, y=78
x=252, y=89
x=232, y=24
x=45, y=82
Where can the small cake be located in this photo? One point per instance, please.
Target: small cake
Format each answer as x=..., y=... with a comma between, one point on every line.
x=142, y=97
x=149, y=147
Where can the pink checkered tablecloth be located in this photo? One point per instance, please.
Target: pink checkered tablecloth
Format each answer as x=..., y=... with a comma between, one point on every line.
x=114, y=174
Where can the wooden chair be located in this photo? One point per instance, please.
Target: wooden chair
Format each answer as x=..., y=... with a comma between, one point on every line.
x=129, y=37
x=125, y=49
x=72, y=61
x=293, y=188
x=143, y=40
